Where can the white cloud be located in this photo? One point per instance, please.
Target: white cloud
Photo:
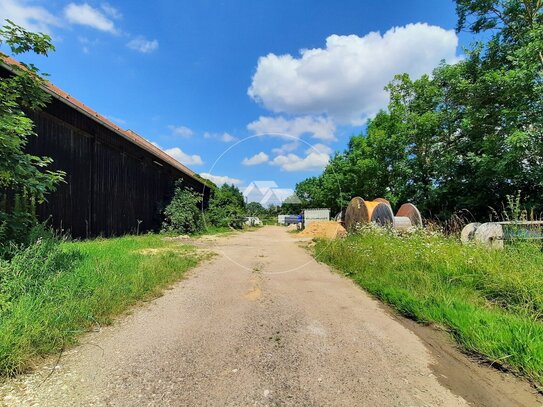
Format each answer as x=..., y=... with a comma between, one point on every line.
x=182, y=131
x=84, y=14
x=227, y=138
x=346, y=78
x=220, y=179
x=183, y=157
x=286, y=148
x=142, y=45
x=256, y=159
x=321, y=128
x=111, y=11
x=292, y=162
x=33, y=18
x=224, y=137
x=320, y=149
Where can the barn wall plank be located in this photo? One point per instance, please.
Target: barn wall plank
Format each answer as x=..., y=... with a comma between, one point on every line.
x=112, y=185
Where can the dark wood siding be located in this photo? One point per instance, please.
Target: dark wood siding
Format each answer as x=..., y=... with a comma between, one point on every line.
x=111, y=183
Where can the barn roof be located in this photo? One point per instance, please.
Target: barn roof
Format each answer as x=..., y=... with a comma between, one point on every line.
x=130, y=135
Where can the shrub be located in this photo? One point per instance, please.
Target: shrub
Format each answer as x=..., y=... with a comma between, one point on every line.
x=183, y=215
x=226, y=207
x=229, y=216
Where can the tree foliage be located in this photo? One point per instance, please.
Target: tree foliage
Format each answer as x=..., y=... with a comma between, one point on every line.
x=463, y=138
x=183, y=214
x=255, y=209
x=24, y=178
x=226, y=207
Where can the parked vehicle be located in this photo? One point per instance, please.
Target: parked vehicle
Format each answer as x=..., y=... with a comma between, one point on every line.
x=286, y=220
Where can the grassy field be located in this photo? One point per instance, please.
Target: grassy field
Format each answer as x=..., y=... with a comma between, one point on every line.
x=491, y=301
x=51, y=292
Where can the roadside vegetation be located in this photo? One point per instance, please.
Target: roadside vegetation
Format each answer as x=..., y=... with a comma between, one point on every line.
x=491, y=301
x=185, y=215
x=53, y=291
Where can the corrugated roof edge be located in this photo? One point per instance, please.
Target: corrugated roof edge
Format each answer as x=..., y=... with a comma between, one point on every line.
x=8, y=62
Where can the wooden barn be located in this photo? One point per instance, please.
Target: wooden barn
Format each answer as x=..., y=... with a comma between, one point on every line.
x=117, y=182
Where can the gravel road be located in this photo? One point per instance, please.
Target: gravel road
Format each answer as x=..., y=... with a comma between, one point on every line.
x=261, y=324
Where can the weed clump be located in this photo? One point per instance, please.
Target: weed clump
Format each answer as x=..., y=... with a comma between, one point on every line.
x=30, y=268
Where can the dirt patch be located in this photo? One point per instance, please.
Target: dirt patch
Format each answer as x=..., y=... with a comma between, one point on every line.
x=208, y=238
x=329, y=230
x=203, y=253
x=158, y=250
x=254, y=294
x=178, y=238
x=477, y=383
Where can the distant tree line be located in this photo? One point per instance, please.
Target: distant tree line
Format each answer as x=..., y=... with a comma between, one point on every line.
x=227, y=209
x=463, y=138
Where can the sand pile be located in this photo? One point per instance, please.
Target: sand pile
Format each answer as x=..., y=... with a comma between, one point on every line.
x=330, y=229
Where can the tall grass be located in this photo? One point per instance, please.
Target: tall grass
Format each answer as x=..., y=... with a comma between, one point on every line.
x=491, y=301
x=51, y=292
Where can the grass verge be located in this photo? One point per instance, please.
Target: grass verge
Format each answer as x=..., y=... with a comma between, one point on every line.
x=51, y=293
x=491, y=301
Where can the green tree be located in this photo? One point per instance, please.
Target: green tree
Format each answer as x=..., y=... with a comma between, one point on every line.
x=291, y=205
x=498, y=94
x=24, y=178
x=226, y=207
x=183, y=214
x=464, y=138
x=255, y=209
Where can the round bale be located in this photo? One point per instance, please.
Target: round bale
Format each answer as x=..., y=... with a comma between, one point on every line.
x=402, y=223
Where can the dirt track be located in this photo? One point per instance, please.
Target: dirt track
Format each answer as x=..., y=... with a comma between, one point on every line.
x=264, y=324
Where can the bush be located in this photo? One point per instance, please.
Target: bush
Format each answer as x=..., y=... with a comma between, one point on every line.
x=183, y=215
x=229, y=216
x=226, y=207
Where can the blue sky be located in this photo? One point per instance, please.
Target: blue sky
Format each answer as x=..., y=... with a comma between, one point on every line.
x=203, y=79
